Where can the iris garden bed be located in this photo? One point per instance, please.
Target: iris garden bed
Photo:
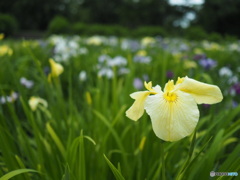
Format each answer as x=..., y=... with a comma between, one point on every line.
x=75, y=127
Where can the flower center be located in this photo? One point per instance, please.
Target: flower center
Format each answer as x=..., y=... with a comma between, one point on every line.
x=170, y=97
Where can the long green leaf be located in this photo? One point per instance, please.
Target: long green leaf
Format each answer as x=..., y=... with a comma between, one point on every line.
x=115, y=171
x=56, y=139
x=16, y=172
x=195, y=158
x=82, y=167
x=189, y=154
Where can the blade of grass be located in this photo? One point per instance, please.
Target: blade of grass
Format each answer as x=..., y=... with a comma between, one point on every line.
x=115, y=171
x=16, y=172
x=189, y=155
x=82, y=168
x=194, y=159
x=56, y=139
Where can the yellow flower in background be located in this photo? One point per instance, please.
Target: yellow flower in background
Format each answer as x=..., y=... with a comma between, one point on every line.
x=30, y=43
x=141, y=53
x=215, y=47
x=198, y=51
x=56, y=68
x=212, y=46
x=35, y=101
x=88, y=98
x=173, y=112
x=95, y=40
x=5, y=50
x=188, y=64
x=147, y=41
x=142, y=143
x=177, y=57
x=1, y=36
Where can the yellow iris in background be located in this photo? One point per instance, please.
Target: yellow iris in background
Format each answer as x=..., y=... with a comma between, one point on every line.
x=34, y=102
x=5, y=50
x=56, y=68
x=1, y=36
x=173, y=112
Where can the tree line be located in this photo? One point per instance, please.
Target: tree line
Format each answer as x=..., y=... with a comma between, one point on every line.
x=220, y=16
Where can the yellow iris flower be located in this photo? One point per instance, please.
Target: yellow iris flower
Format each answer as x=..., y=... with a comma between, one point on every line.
x=5, y=50
x=173, y=112
x=35, y=101
x=147, y=41
x=1, y=36
x=56, y=68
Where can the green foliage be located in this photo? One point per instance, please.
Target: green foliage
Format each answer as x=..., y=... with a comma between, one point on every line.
x=196, y=33
x=149, y=31
x=117, y=30
x=100, y=29
x=212, y=15
x=79, y=28
x=230, y=38
x=59, y=25
x=15, y=173
x=115, y=171
x=215, y=16
x=84, y=133
x=125, y=13
x=215, y=37
x=8, y=24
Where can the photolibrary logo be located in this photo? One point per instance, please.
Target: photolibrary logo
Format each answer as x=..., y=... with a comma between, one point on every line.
x=212, y=174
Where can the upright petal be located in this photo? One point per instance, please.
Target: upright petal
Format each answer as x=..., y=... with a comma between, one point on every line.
x=148, y=85
x=201, y=92
x=157, y=89
x=172, y=121
x=137, y=109
x=169, y=86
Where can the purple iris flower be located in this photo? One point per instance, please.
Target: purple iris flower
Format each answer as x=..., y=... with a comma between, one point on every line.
x=208, y=63
x=145, y=77
x=199, y=57
x=234, y=104
x=142, y=59
x=138, y=83
x=169, y=74
x=206, y=105
x=236, y=88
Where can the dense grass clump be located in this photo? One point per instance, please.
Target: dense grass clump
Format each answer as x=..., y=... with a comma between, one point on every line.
x=72, y=125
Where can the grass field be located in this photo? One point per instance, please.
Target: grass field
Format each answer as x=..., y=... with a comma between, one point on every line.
x=70, y=123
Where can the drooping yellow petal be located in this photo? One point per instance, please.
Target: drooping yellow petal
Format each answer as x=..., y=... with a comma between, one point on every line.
x=172, y=121
x=201, y=92
x=137, y=109
x=56, y=68
x=35, y=101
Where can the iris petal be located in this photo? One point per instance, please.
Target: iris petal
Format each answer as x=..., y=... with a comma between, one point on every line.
x=137, y=109
x=35, y=101
x=172, y=121
x=201, y=92
x=56, y=68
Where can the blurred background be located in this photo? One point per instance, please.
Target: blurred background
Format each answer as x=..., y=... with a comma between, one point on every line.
x=195, y=19
x=69, y=66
